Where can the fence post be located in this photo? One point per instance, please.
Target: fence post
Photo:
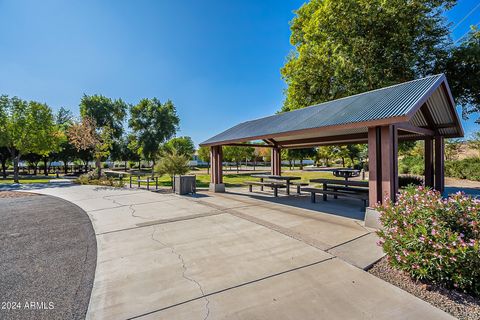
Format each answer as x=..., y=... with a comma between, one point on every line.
x=156, y=183
x=148, y=183
x=138, y=180
x=130, y=181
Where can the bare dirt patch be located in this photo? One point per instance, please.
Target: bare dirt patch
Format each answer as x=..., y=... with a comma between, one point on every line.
x=458, y=304
x=16, y=194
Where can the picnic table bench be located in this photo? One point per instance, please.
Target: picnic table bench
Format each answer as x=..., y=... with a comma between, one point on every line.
x=351, y=189
x=282, y=179
x=272, y=184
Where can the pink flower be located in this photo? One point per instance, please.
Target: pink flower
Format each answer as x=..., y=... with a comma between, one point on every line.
x=434, y=232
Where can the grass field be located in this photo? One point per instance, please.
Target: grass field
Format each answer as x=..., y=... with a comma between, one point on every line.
x=203, y=179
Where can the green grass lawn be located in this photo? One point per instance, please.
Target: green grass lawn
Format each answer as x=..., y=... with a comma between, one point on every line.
x=233, y=179
x=39, y=179
x=203, y=179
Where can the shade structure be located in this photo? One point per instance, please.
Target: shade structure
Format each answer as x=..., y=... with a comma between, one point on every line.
x=414, y=110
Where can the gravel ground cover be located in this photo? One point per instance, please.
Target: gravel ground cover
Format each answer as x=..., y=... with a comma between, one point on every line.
x=458, y=304
x=48, y=257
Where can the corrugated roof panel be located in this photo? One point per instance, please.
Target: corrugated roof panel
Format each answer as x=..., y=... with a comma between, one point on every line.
x=389, y=102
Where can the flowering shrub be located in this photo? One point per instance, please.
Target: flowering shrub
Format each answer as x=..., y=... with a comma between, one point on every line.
x=433, y=238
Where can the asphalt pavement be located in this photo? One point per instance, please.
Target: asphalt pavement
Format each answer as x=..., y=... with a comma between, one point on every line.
x=48, y=258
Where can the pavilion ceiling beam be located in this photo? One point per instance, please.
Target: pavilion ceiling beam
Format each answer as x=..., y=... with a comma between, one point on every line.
x=322, y=140
x=427, y=115
x=248, y=145
x=414, y=129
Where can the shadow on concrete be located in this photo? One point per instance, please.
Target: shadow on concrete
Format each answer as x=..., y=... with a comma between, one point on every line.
x=344, y=207
x=34, y=186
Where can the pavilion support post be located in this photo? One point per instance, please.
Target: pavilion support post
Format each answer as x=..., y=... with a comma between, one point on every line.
x=216, y=172
x=429, y=162
x=374, y=166
x=439, y=163
x=382, y=170
x=383, y=163
x=389, y=152
x=276, y=167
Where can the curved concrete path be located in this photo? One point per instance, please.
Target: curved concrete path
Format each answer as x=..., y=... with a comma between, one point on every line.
x=48, y=258
x=230, y=256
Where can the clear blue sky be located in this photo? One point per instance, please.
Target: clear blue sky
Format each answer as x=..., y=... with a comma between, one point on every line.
x=219, y=61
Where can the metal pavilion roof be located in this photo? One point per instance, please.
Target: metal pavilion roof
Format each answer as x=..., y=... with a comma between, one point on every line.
x=394, y=104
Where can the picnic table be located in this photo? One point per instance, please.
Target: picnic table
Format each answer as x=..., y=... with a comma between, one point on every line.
x=283, y=179
x=347, y=188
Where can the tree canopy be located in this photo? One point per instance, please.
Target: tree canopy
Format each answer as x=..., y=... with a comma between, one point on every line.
x=105, y=112
x=182, y=145
x=153, y=123
x=344, y=47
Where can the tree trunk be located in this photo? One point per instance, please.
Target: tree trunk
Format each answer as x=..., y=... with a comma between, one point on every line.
x=343, y=162
x=65, y=167
x=4, y=168
x=15, y=168
x=139, y=165
x=35, y=169
x=98, y=164
x=153, y=168
x=208, y=168
x=125, y=169
x=301, y=164
x=45, y=169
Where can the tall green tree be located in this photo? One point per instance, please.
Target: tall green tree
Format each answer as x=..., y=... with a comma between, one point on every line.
x=344, y=47
x=153, y=123
x=183, y=145
x=238, y=153
x=204, y=155
x=27, y=127
x=301, y=154
x=106, y=112
x=463, y=72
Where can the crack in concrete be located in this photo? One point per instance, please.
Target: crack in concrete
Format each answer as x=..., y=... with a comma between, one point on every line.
x=130, y=207
x=184, y=273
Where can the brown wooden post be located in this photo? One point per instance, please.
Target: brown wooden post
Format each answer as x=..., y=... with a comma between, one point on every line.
x=429, y=162
x=374, y=166
x=389, y=152
x=216, y=173
x=276, y=162
x=439, y=163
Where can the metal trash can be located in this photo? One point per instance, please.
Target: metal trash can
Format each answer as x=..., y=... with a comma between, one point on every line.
x=184, y=185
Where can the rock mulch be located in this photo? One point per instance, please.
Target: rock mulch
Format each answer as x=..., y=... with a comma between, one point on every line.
x=459, y=305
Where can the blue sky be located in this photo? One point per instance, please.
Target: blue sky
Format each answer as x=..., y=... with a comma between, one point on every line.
x=218, y=61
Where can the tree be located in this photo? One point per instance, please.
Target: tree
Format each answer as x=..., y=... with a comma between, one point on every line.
x=105, y=112
x=183, y=145
x=173, y=163
x=344, y=47
x=463, y=72
x=204, y=155
x=122, y=152
x=301, y=154
x=85, y=136
x=237, y=154
x=4, y=156
x=153, y=123
x=66, y=152
x=325, y=153
x=452, y=148
x=27, y=127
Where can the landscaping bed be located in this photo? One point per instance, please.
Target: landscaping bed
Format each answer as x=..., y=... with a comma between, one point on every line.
x=458, y=304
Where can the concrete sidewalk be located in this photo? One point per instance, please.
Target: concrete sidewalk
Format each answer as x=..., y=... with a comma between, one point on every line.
x=162, y=256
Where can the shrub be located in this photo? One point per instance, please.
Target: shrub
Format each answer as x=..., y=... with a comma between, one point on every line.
x=92, y=178
x=468, y=168
x=411, y=165
x=432, y=238
x=405, y=181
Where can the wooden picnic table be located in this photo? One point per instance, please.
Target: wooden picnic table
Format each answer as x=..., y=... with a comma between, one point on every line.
x=345, y=185
x=287, y=179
